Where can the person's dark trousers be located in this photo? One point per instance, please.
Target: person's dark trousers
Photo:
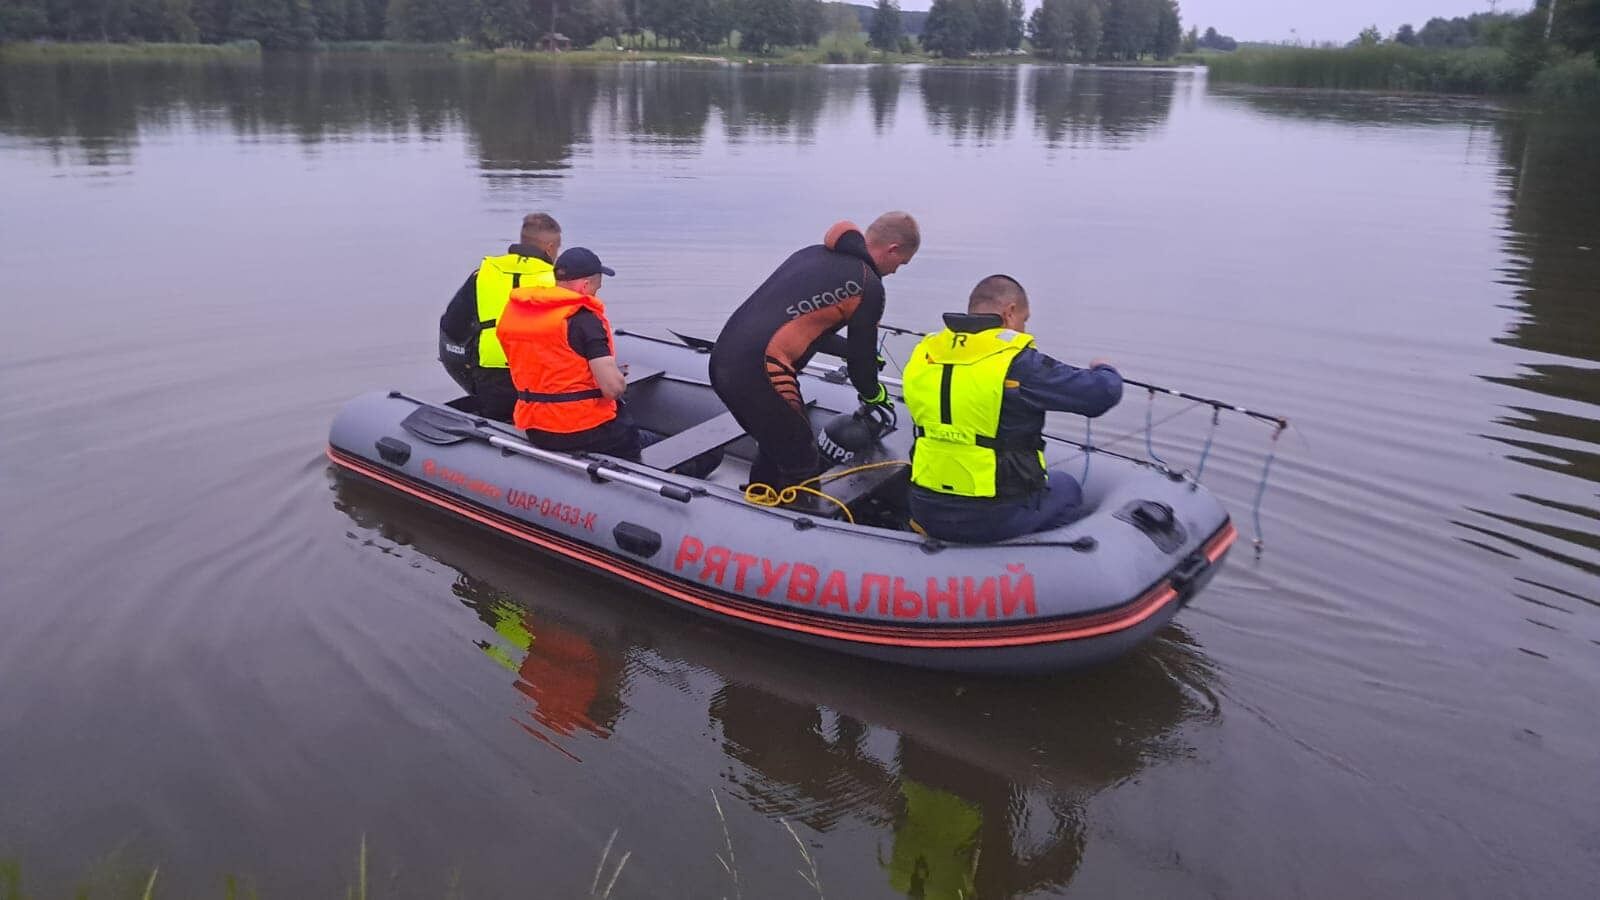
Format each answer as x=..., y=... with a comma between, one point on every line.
x=628, y=442
x=973, y=520
x=786, y=448
x=496, y=395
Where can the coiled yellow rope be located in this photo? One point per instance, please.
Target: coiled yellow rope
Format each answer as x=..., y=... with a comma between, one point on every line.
x=766, y=495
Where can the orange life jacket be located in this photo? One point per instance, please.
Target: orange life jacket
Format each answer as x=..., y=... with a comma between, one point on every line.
x=556, y=390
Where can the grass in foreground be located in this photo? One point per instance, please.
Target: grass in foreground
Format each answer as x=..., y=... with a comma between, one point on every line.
x=114, y=878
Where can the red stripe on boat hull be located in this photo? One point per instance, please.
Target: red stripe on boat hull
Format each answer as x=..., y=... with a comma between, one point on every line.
x=966, y=638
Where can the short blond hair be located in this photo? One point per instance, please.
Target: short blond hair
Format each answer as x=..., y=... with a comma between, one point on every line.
x=895, y=227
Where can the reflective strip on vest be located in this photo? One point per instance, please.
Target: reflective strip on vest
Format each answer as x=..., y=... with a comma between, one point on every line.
x=497, y=277
x=556, y=389
x=954, y=384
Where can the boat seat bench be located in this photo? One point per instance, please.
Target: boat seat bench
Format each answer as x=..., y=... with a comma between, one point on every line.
x=722, y=430
x=712, y=434
x=852, y=489
x=640, y=375
x=691, y=442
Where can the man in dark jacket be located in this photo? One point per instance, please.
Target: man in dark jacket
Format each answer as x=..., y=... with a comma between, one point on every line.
x=797, y=312
x=469, y=344
x=978, y=392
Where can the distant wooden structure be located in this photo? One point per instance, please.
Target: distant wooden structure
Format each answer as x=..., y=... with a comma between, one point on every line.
x=555, y=42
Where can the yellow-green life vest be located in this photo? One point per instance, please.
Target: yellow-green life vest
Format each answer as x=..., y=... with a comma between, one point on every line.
x=497, y=276
x=936, y=845
x=954, y=384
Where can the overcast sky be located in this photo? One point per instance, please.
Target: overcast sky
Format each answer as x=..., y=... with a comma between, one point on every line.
x=1313, y=20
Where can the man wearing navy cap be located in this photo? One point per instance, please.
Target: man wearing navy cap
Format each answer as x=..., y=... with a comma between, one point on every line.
x=564, y=365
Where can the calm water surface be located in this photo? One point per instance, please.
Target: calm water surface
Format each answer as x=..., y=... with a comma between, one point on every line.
x=220, y=658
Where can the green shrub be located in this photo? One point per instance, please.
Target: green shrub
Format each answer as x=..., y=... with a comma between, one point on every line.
x=1385, y=67
x=1575, y=79
x=839, y=48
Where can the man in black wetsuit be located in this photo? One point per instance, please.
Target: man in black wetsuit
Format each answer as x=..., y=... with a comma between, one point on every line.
x=795, y=313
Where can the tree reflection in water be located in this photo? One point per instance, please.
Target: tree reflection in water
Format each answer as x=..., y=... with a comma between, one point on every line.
x=884, y=84
x=524, y=120
x=1075, y=107
x=1550, y=176
x=977, y=105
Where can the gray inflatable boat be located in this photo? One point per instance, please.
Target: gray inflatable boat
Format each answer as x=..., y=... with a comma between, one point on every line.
x=846, y=574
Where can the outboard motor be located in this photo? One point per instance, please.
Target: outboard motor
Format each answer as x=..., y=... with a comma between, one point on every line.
x=457, y=359
x=847, y=434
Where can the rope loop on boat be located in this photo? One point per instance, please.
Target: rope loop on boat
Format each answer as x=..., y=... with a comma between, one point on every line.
x=1261, y=488
x=885, y=356
x=1149, y=429
x=1205, y=452
x=1088, y=449
x=762, y=494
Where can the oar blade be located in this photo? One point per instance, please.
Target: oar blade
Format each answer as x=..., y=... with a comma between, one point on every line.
x=441, y=427
x=699, y=344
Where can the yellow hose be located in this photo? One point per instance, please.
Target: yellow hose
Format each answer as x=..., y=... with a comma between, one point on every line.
x=766, y=495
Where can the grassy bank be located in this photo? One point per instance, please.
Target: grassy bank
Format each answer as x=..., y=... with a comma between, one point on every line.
x=66, y=50
x=1386, y=67
x=593, y=56
x=828, y=52
x=1562, y=78
x=398, y=48
x=833, y=49
x=1181, y=60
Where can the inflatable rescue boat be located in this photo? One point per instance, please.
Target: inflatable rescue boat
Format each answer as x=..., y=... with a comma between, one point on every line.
x=845, y=573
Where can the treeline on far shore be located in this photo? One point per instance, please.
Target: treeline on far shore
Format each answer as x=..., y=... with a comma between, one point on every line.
x=750, y=26
x=1083, y=30
x=1551, y=51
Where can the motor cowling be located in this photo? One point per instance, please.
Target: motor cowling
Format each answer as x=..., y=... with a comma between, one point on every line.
x=458, y=360
x=848, y=434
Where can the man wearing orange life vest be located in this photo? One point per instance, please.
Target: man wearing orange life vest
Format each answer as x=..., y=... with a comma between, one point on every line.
x=563, y=362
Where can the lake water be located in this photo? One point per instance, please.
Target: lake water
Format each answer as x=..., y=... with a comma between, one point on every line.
x=217, y=657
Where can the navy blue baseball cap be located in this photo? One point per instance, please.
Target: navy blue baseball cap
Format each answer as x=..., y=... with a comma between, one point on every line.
x=579, y=262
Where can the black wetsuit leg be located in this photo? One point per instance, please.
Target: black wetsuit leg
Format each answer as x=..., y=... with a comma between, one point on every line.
x=770, y=411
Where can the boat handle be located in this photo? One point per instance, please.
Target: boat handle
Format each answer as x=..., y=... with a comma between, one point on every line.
x=597, y=470
x=1187, y=571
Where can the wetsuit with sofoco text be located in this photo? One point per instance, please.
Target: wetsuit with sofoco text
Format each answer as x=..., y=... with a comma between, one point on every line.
x=797, y=312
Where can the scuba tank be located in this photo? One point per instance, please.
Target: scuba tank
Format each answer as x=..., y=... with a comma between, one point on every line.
x=847, y=434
